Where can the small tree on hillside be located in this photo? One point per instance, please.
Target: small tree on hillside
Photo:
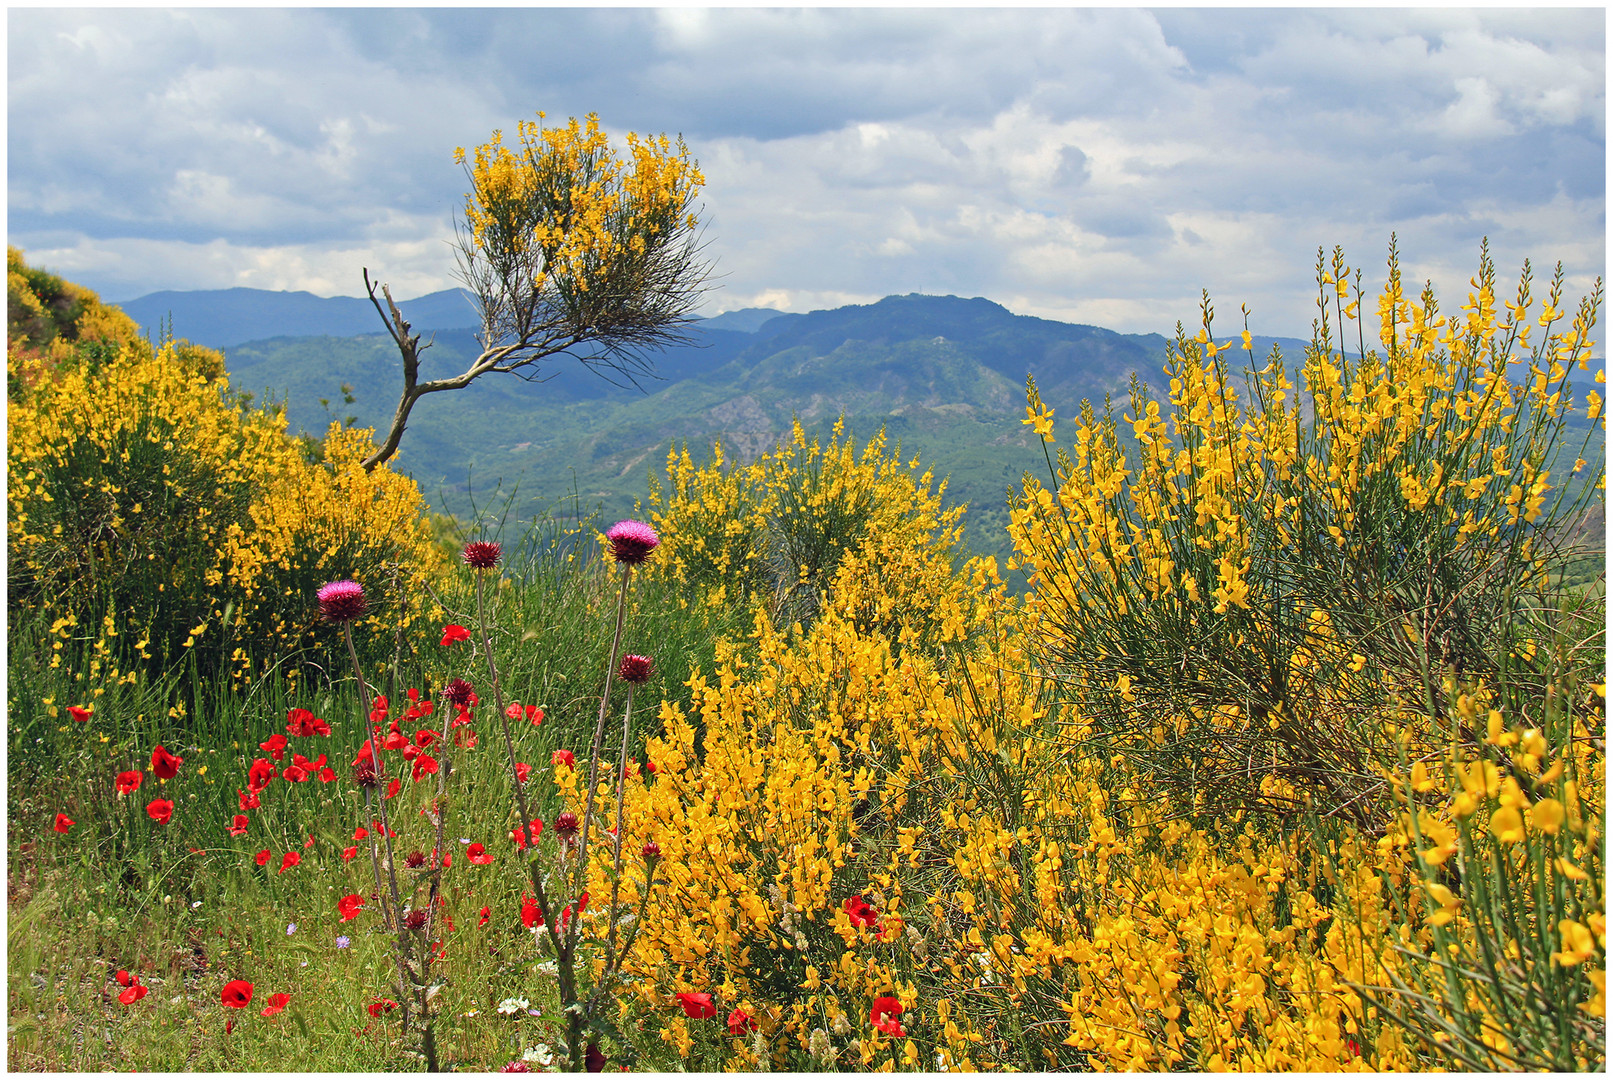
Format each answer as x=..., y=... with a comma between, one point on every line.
x=569, y=249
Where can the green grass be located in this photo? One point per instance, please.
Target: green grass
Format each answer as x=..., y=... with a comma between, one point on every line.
x=185, y=905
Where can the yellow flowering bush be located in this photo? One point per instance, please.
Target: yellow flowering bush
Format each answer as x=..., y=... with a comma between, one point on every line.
x=152, y=512
x=881, y=856
x=1288, y=548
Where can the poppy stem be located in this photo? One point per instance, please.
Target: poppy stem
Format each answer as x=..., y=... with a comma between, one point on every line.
x=404, y=955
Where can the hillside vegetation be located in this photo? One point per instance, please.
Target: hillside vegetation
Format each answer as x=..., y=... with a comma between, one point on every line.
x=1291, y=756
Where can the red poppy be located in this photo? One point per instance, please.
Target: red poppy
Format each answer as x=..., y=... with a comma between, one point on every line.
x=259, y=775
x=327, y=775
x=294, y=774
x=237, y=994
x=133, y=994
x=534, y=714
x=697, y=1006
x=349, y=854
x=454, y=632
x=239, y=824
x=883, y=1016
x=522, y=771
x=291, y=859
x=350, y=905
x=309, y=842
x=484, y=914
x=160, y=810
x=304, y=723
x=164, y=765
x=124, y=978
x=530, y=915
x=740, y=1022
x=425, y=737
x=365, y=755
x=564, y=757
x=129, y=782
x=650, y=767
x=376, y=825
x=276, y=746
x=466, y=739
x=63, y=823
x=477, y=854
x=378, y=709
x=424, y=765
x=81, y=715
x=361, y=833
x=277, y=1003
x=263, y=857
x=395, y=740
x=393, y=788
x=248, y=799
x=383, y=1006
x=861, y=913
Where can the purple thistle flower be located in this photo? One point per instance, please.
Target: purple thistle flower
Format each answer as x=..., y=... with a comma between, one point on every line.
x=458, y=692
x=482, y=554
x=635, y=669
x=631, y=541
x=342, y=601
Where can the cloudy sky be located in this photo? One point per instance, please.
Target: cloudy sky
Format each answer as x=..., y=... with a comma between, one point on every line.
x=1095, y=165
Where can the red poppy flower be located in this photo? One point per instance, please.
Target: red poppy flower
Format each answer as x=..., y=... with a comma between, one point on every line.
x=294, y=774
x=565, y=757
x=349, y=854
x=309, y=842
x=466, y=739
x=484, y=914
x=63, y=823
x=425, y=737
x=740, y=1022
x=259, y=775
x=239, y=824
x=883, y=1016
x=522, y=771
x=129, y=782
x=277, y=1003
x=248, y=799
x=350, y=905
x=124, y=978
x=304, y=723
x=395, y=740
x=393, y=788
x=364, y=755
x=534, y=714
x=276, y=746
x=424, y=765
x=81, y=715
x=237, y=994
x=454, y=632
x=327, y=775
x=160, y=810
x=383, y=1006
x=650, y=767
x=530, y=915
x=164, y=765
x=861, y=913
x=697, y=1006
x=477, y=854
x=263, y=857
x=361, y=833
x=133, y=994
x=291, y=859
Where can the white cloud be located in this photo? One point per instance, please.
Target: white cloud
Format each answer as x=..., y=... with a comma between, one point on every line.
x=1100, y=164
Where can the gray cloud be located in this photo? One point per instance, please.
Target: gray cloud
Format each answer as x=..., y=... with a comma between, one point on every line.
x=1102, y=165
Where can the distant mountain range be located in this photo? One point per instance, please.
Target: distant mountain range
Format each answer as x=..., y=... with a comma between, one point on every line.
x=944, y=376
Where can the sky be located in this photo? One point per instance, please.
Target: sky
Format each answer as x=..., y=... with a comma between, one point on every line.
x=1094, y=165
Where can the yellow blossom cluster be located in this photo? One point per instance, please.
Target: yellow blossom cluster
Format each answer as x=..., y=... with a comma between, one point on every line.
x=141, y=491
x=570, y=209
